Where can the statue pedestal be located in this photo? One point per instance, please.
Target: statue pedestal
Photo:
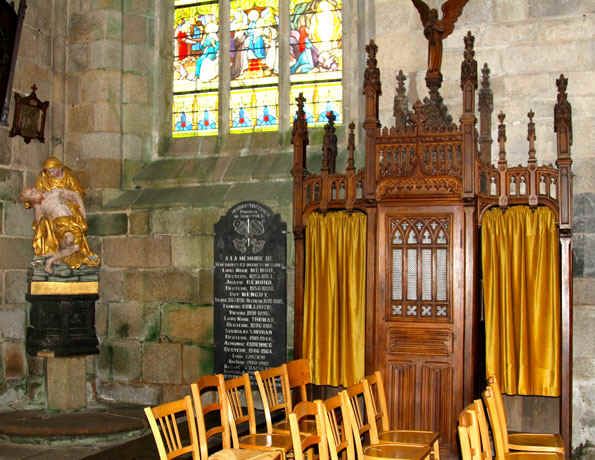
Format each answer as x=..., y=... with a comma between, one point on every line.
x=66, y=383
x=62, y=325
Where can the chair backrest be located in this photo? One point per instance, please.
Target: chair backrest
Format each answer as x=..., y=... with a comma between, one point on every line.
x=238, y=394
x=378, y=400
x=493, y=384
x=318, y=439
x=338, y=431
x=469, y=435
x=273, y=385
x=500, y=436
x=359, y=415
x=484, y=430
x=165, y=415
x=205, y=390
x=299, y=376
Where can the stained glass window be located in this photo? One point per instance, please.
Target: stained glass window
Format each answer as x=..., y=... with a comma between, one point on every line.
x=254, y=109
x=196, y=68
x=315, y=63
x=316, y=58
x=254, y=57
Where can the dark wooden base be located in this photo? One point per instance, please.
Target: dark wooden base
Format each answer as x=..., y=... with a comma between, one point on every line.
x=62, y=325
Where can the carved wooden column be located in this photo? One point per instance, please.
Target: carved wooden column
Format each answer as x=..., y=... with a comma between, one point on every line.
x=486, y=107
x=469, y=147
x=372, y=91
x=299, y=170
x=563, y=129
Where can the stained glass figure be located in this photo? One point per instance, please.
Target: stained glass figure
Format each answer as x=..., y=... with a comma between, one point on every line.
x=254, y=109
x=195, y=114
x=315, y=40
x=196, y=56
x=254, y=42
x=321, y=99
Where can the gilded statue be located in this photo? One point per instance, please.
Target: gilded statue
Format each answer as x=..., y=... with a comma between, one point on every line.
x=436, y=30
x=59, y=224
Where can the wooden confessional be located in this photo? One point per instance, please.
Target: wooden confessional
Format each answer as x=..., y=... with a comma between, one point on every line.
x=425, y=186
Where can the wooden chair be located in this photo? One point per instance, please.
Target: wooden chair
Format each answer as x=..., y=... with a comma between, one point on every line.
x=475, y=441
x=299, y=376
x=238, y=394
x=385, y=434
x=534, y=442
x=212, y=386
x=273, y=385
x=338, y=432
x=362, y=421
x=306, y=410
x=166, y=415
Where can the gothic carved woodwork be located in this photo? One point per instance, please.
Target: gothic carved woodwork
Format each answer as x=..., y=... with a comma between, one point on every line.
x=425, y=185
x=11, y=24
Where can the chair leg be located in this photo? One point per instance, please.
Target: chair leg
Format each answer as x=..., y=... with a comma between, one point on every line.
x=436, y=450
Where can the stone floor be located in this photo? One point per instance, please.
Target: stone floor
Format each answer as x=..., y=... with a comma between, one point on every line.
x=103, y=433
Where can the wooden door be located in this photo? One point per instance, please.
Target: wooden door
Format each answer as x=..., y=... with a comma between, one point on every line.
x=419, y=316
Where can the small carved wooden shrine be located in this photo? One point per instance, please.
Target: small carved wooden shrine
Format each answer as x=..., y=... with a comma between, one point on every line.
x=429, y=181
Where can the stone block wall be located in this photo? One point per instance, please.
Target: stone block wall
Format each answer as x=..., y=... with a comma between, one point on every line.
x=37, y=63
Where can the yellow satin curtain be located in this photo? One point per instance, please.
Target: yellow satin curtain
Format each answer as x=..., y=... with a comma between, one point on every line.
x=521, y=287
x=334, y=297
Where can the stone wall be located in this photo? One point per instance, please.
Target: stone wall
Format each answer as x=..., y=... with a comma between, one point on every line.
x=39, y=64
x=152, y=202
x=527, y=45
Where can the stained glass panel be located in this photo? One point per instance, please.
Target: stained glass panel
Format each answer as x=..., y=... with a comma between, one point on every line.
x=195, y=114
x=254, y=109
x=321, y=99
x=254, y=45
x=315, y=40
x=196, y=46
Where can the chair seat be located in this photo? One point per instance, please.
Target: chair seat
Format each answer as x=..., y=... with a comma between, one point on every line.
x=245, y=454
x=408, y=437
x=396, y=452
x=273, y=441
x=536, y=442
x=307, y=426
x=534, y=456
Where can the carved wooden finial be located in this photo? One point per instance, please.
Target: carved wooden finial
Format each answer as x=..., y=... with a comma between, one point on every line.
x=486, y=107
x=400, y=104
x=486, y=98
x=329, y=145
x=372, y=72
x=300, y=124
x=502, y=139
x=372, y=49
x=351, y=147
x=469, y=64
x=299, y=135
x=563, y=119
x=531, y=137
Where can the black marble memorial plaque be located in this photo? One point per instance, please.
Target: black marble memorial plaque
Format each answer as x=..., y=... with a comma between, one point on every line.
x=250, y=290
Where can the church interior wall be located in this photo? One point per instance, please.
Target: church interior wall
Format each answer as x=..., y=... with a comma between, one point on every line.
x=153, y=201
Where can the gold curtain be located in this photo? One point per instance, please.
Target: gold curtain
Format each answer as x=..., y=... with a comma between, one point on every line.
x=334, y=297
x=521, y=286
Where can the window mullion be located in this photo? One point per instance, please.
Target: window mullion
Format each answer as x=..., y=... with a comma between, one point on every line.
x=224, y=69
x=285, y=116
